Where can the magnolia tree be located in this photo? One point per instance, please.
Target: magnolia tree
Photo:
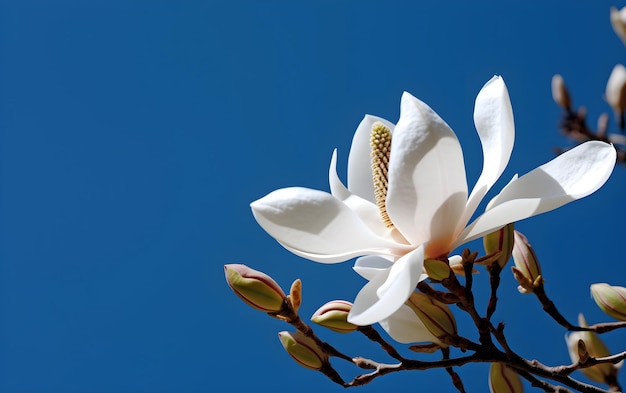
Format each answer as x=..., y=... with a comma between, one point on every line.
x=404, y=211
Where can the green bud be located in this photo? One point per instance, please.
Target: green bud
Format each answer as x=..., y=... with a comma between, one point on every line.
x=611, y=299
x=501, y=240
x=436, y=316
x=303, y=349
x=334, y=316
x=436, y=269
x=255, y=288
x=527, y=270
x=502, y=379
x=592, y=346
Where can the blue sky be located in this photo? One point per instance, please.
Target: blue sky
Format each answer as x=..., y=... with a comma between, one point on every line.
x=134, y=135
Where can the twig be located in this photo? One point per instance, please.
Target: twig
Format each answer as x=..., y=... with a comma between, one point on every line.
x=456, y=379
x=550, y=308
x=494, y=270
x=373, y=335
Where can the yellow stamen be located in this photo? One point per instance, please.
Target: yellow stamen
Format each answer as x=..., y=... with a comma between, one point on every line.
x=380, y=142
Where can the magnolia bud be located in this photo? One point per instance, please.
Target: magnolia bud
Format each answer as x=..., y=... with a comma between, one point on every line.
x=295, y=294
x=436, y=269
x=303, y=349
x=502, y=379
x=592, y=346
x=436, y=316
x=255, y=288
x=611, y=299
x=560, y=95
x=527, y=270
x=500, y=240
x=615, y=93
x=334, y=316
x=618, y=21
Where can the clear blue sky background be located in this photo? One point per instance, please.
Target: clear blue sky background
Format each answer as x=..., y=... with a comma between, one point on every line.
x=134, y=134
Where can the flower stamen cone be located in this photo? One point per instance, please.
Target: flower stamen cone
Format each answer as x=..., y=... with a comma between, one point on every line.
x=380, y=142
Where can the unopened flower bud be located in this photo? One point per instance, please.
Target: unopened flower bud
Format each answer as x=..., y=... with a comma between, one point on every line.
x=303, y=349
x=436, y=316
x=501, y=240
x=334, y=316
x=611, y=299
x=255, y=288
x=618, y=21
x=295, y=294
x=527, y=270
x=436, y=269
x=615, y=93
x=593, y=346
x=560, y=95
x=502, y=379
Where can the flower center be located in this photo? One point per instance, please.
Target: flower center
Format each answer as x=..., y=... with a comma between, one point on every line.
x=380, y=142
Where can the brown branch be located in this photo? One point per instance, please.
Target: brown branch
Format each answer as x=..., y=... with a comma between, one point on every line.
x=485, y=352
x=443, y=297
x=574, y=126
x=494, y=270
x=588, y=362
x=373, y=335
x=550, y=308
x=538, y=383
x=466, y=297
x=456, y=379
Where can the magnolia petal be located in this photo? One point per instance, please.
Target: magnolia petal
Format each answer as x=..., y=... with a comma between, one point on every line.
x=493, y=118
x=570, y=176
x=316, y=224
x=360, y=161
x=388, y=290
x=337, y=189
x=366, y=298
x=406, y=327
x=371, y=266
x=427, y=186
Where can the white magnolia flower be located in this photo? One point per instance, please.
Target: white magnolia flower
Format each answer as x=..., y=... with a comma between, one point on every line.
x=418, y=205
